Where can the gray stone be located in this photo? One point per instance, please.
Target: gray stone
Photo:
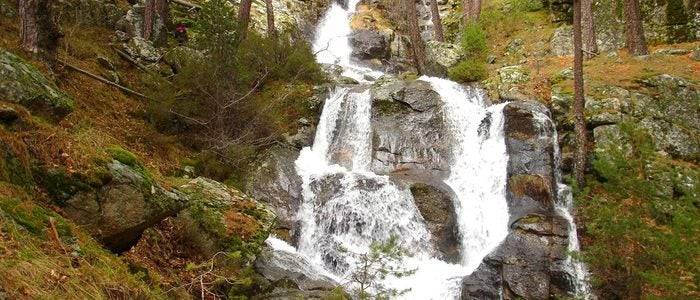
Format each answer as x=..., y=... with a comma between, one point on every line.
x=562, y=41
x=141, y=49
x=437, y=210
x=513, y=75
x=22, y=83
x=369, y=44
x=276, y=265
x=442, y=56
x=408, y=130
x=274, y=181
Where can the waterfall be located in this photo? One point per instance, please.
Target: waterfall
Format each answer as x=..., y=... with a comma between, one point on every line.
x=346, y=206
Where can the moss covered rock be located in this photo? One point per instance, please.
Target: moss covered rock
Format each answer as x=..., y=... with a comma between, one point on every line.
x=22, y=83
x=220, y=218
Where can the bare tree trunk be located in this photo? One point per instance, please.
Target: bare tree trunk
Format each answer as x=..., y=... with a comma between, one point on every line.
x=636, y=43
x=466, y=12
x=271, y=30
x=417, y=46
x=29, y=29
x=243, y=19
x=475, y=10
x=579, y=99
x=437, y=21
x=590, y=44
x=154, y=9
x=49, y=33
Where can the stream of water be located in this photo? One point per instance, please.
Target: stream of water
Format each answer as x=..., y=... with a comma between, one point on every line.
x=346, y=206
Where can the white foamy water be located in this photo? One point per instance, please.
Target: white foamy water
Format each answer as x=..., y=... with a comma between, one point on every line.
x=346, y=206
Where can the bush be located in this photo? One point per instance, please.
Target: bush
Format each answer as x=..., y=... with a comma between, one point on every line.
x=468, y=70
x=473, y=41
x=641, y=212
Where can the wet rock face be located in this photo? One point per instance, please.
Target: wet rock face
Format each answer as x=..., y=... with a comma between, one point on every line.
x=276, y=183
x=369, y=44
x=409, y=134
x=530, y=263
x=437, y=210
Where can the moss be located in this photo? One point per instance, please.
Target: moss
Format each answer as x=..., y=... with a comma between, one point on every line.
x=22, y=83
x=124, y=156
x=14, y=162
x=60, y=185
x=34, y=266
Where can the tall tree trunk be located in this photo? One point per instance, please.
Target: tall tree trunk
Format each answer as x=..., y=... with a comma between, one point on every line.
x=154, y=10
x=49, y=33
x=636, y=43
x=270, y=10
x=243, y=19
x=475, y=10
x=29, y=29
x=417, y=46
x=579, y=100
x=466, y=12
x=590, y=44
x=437, y=21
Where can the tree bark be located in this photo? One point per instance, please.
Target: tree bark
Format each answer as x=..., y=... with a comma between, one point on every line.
x=579, y=99
x=154, y=9
x=270, y=10
x=636, y=43
x=475, y=10
x=466, y=12
x=417, y=46
x=437, y=21
x=590, y=43
x=29, y=28
x=243, y=19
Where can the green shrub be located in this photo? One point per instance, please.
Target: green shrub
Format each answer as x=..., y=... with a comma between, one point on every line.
x=473, y=41
x=641, y=213
x=525, y=5
x=468, y=70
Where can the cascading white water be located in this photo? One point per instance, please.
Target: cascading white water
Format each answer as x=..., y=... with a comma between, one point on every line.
x=346, y=206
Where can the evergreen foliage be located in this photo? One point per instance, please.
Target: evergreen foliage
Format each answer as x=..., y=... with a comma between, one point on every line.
x=643, y=214
x=474, y=48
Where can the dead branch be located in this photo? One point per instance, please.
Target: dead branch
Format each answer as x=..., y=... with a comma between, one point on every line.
x=128, y=58
x=103, y=80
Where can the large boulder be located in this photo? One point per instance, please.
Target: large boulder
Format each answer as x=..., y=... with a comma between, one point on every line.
x=115, y=204
x=370, y=44
x=22, y=83
x=274, y=181
x=409, y=132
x=531, y=263
x=441, y=57
x=280, y=263
x=219, y=218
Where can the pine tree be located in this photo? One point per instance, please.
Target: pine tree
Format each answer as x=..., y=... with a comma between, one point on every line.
x=29, y=28
x=243, y=18
x=590, y=44
x=579, y=99
x=437, y=21
x=270, y=11
x=636, y=43
x=413, y=28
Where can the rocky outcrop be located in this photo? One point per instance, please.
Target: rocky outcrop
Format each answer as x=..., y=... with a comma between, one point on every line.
x=437, y=210
x=274, y=181
x=408, y=130
x=368, y=44
x=278, y=265
x=665, y=106
x=441, y=57
x=531, y=262
x=115, y=204
x=22, y=83
x=218, y=218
